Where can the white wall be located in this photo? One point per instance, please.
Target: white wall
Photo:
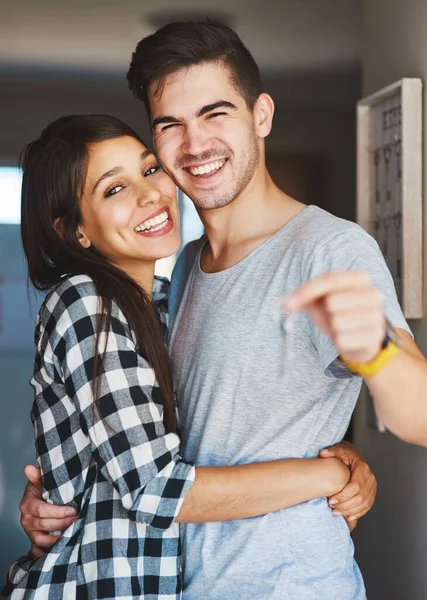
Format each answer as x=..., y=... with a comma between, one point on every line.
x=391, y=542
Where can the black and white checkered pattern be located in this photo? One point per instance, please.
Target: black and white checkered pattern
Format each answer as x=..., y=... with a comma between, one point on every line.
x=119, y=469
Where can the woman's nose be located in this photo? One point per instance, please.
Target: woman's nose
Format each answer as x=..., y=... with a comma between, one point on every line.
x=149, y=195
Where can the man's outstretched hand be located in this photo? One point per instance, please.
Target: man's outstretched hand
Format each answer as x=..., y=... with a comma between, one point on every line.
x=39, y=517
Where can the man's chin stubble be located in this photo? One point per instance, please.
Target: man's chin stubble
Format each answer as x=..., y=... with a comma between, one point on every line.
x=209, y=203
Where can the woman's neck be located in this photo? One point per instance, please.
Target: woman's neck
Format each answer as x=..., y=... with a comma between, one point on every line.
x=142, y=272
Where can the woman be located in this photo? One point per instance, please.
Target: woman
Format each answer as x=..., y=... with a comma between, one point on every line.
x=97, y=212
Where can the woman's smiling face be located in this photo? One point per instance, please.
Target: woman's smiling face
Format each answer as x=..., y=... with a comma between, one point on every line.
x=129, y=208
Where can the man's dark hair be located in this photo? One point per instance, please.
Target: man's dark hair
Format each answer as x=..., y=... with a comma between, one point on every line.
x=179, y=45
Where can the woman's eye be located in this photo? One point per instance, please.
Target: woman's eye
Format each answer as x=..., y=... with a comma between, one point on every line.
x=113, y=191
x=151, y=170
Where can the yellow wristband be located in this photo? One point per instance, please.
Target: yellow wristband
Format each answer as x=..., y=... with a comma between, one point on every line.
x=377, y=364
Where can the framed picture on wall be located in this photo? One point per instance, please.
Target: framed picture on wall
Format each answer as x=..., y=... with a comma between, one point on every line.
x=389, y=183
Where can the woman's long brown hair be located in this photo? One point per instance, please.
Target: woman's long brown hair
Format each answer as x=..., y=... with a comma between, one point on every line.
x=55, y=168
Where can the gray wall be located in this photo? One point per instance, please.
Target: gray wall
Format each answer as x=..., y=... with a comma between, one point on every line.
x=328, y=133
x=16, y=450
x=30, y=100
x=16, y=354
x=315, y=115
x=392, y=541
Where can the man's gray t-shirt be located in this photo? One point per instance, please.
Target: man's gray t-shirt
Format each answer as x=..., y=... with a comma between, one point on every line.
x=247, y=396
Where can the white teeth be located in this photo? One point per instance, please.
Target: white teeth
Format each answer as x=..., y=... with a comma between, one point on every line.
x=154, y=224
x=204, y=169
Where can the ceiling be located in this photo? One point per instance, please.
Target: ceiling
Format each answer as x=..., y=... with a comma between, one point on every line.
x=99, y=35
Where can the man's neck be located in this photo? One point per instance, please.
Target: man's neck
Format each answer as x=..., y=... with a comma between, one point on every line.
x=238, y=228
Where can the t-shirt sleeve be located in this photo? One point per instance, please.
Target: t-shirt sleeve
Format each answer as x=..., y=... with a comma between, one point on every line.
x=352, y=249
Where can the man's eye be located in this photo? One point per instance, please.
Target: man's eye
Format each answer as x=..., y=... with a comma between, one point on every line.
x=151, y=170
x=216, y=114
x=113, y=191
x=170, y=126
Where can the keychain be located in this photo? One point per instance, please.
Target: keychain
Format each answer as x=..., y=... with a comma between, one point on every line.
x=287, y=324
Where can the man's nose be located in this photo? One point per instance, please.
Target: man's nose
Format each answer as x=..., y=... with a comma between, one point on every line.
x=196, y=139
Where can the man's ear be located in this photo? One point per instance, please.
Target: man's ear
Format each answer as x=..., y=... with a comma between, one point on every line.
x=263, y=113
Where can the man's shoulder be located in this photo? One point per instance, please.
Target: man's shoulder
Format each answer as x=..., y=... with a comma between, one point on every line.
x=324, y=242
x=320, y=235
x=320, y=227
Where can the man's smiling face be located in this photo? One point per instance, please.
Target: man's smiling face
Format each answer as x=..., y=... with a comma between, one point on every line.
x=205, y=134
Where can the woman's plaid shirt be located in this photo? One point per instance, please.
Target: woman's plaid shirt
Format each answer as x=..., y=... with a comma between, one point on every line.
x=122, y=473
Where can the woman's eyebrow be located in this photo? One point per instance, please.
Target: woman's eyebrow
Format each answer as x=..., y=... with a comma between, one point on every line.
x=119, y=169
x=109, y=173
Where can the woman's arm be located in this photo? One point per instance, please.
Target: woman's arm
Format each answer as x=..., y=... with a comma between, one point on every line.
x=243, y=491
x=218, y=494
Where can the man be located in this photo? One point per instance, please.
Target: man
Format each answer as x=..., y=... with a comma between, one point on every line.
x=248, y=389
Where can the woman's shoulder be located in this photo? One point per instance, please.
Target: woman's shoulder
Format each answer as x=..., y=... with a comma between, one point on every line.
x=72, y=294
x=76, y=287
x=71, y=288
x=82, y=284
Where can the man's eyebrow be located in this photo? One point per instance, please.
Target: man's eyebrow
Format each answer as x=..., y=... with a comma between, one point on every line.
x=119, y=169
x=162, y=120
x=210, y=107
x=202, y=111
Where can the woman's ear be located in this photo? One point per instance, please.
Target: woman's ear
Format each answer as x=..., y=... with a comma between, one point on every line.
x=58, y=226
x=81, y=236
x=83, y=239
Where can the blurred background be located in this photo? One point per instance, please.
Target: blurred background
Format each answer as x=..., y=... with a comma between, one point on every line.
x=317, y=58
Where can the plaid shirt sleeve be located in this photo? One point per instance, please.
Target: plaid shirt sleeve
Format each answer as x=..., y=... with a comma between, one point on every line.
x=128, y=440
